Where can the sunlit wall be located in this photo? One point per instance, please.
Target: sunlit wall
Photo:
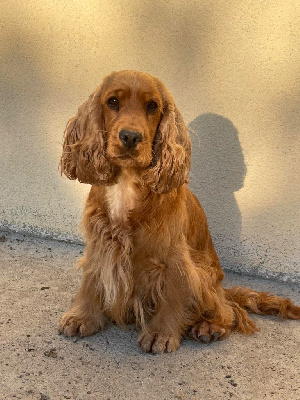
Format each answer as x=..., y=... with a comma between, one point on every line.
x=233, y=68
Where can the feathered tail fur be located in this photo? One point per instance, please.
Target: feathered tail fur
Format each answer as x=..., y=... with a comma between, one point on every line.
x=263, y=303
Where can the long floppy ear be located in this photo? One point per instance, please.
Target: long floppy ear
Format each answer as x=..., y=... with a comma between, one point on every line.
x=172, y=151
x=84, y=147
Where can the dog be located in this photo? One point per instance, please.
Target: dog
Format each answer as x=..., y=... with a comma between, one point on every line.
x=149, y=257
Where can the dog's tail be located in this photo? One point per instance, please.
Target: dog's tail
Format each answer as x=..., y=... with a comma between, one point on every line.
x=263, y=303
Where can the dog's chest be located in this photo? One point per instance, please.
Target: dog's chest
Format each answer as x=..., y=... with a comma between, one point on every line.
x=121, y=198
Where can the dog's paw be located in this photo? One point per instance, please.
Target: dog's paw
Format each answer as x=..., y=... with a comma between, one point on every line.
x=207, y=332
x=71, y=324
x=157, y=343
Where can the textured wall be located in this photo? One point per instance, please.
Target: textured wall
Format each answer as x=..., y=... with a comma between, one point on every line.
x=233, y=67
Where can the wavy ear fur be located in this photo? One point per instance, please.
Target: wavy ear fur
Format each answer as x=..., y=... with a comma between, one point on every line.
x=172, y=151
x=84, y=147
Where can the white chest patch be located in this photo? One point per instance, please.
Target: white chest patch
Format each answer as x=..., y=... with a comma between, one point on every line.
x=121, y=199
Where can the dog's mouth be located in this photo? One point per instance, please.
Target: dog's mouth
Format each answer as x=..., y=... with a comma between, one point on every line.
x=132, y=159
x=124, y=157
x=121, y=153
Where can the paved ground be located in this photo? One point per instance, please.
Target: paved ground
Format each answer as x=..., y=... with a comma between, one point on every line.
x=36, y=284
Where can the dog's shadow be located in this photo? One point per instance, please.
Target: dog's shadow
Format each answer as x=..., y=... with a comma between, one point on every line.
x=117, y=342
x=218, y=170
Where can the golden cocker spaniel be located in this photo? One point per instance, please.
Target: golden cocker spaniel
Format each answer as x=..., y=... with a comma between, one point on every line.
x=149, y=257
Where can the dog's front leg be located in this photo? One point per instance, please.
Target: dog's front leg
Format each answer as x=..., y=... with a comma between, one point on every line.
x=169, y=321
x=85, y=316
x=164, y=333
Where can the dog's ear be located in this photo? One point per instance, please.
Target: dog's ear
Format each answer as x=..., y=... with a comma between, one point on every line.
x=171, y=150
x=84, y=148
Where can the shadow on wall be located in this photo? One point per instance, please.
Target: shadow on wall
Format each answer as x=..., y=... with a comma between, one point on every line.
x=218, y=170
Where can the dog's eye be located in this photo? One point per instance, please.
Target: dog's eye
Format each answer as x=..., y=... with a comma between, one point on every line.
x=113, y=103
x=152, y=106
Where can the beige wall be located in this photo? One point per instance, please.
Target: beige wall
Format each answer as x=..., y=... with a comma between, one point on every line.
x=234, y=70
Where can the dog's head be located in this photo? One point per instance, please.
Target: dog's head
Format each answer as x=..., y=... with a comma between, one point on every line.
x=130, y=121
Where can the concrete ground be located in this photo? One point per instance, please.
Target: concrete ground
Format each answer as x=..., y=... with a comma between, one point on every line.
x=37, y=281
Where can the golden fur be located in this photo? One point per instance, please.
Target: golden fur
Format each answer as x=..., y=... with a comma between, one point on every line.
x=149, y=257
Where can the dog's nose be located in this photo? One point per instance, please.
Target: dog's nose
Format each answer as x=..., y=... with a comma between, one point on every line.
x=130, y=139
